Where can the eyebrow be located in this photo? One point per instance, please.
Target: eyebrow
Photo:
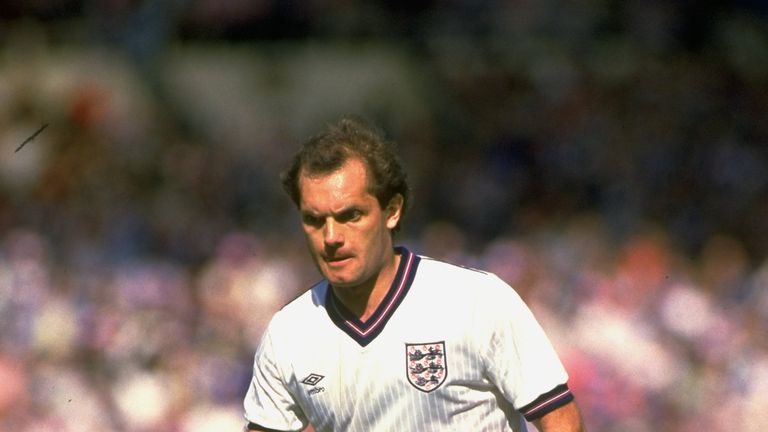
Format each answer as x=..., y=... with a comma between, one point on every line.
x=342, y=212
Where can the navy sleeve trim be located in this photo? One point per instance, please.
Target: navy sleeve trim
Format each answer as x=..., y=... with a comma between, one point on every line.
x=547, y=402
x=255, y=427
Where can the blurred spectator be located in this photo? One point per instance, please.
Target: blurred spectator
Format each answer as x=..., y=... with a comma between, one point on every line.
x=608, y=161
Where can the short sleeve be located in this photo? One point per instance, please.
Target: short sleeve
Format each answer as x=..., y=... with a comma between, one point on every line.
x=268, y=402
x=520, y=359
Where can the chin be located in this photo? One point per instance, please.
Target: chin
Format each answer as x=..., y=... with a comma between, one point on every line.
x=341, y=282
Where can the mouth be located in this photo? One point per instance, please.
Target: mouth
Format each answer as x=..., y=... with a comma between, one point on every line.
x=337, y=260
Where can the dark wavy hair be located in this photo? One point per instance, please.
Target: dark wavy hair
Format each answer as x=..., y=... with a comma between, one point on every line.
x=350, y=137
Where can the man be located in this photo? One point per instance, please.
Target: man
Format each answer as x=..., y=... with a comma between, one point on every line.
x=389, y=340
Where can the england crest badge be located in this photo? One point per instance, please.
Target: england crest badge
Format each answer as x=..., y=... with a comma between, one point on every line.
x=425, y=365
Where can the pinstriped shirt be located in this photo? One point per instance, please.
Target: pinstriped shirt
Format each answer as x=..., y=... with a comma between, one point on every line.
x=448, y=349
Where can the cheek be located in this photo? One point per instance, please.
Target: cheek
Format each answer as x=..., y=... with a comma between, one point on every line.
x=379, y=236
x=314, y=242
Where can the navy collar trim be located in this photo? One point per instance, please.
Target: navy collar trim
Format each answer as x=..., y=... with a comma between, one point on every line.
x=364, y=332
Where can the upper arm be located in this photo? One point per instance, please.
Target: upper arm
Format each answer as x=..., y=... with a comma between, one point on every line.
x=567, y=418
x=519, y=357
x=269, y=400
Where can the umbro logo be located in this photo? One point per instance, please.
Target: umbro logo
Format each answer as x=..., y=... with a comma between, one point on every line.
x=312, y=379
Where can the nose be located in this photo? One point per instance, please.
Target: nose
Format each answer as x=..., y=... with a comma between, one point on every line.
x=332, y=234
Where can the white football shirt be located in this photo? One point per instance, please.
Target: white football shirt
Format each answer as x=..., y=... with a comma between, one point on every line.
x=448, y=349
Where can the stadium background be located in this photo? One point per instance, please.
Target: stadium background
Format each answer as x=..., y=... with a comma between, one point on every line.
x=608, y=159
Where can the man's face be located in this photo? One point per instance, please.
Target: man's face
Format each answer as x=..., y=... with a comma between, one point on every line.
x=347, y=231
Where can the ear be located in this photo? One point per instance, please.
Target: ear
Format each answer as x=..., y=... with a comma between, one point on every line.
x=394, y=210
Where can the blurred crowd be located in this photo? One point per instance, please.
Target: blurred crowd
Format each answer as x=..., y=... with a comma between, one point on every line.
x=610, y=163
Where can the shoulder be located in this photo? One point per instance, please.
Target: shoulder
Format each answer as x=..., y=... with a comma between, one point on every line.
x=445, y=274
x=304, y=310
x=483, y=289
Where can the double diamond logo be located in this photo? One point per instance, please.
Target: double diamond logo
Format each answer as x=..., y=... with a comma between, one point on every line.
x=312, y=379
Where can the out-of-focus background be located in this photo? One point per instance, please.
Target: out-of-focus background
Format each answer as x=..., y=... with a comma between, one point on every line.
x=608, y=159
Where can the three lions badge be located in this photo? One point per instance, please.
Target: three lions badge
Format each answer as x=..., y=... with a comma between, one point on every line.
x=425, y=364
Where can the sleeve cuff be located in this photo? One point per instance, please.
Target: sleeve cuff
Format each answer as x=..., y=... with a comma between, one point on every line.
x=255, y=427
x=547, y=402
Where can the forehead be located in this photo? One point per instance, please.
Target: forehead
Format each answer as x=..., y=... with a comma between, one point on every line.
x=347, y=183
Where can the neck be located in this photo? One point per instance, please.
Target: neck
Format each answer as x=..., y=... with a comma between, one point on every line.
x=364, y=299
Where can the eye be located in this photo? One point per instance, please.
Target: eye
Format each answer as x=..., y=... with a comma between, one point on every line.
x=352, y=215
x=312, y=220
